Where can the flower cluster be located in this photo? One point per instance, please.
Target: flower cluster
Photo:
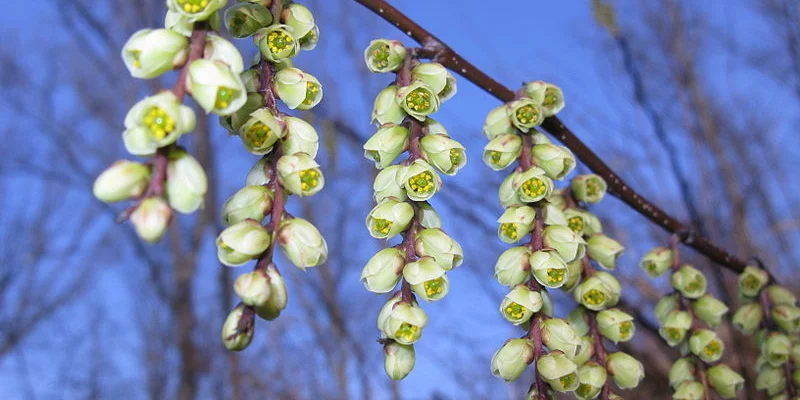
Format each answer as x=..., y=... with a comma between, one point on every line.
x=402, y=113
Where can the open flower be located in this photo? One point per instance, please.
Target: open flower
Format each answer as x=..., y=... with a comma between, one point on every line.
x=383, y=55
x=689, y=281
x=301, y=137
x=556, y=161
x=389, y=218
x=675, y=326
x=300, y=174
x=748, y=318
x=616, y=325
x=276, y=43
x=299, y=18
x=525, y=114
x=220, y=49
x=427, y=279
x=404, y=323
x=563, y=240
x=520, y=304
x=445, y=154
x=548, y=95
x=710, y=310
x=656, y=261
x=156, y=121
x=589, y=188
x=752, y=280
x=515, y=223
x=244, y=19
x=604, y=250
x=501, y=151
x=432, y=74
x=559, y=371
x=705, y=344
x=261, y=131
x=558, y=334
x=598, y=292
x=418, y=100
x=498, y=122
x=297, y=89
x=389, y=183
x=549, y=268
x=302, y=243
x=386, y=144
x=421, y=181
x=532, y=185
x=592, y=377
x=215, y=87
x=682, y=370
x=725, y=381
x=196, y=10
x=151, y=52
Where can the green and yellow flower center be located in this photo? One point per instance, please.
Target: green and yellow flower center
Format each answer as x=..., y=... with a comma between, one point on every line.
x=534, y=187
x=158, y=122
x=237, y=21
x=567, y=380
x=576, y=224
x=381, y=225
x=434, y=286
x=696, y=284
x=224, y=97
x=626, y=329
x=515, y=310
x=193, y=6
x=592, y=188
x=134, y=54
x=585, y=390
x=750, y=282
x=421, y=182
x=650, y=266
x=555, y=275
x=550, y=97
x=594, y=297
x=380, y=57
x=455, y=156
x=495, y=156
x=309, y=179
x=258, y=134
x=418, y=100
x=509, y=230
x=528, y=115
x=448, y=86
x=376, y=156
x=713, y=348
x=279, y=41
x=311, y=36
x=407, y=332
x=313, y=91
x=675, y=334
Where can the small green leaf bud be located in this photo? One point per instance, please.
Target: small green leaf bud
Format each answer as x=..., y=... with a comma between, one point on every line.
x=525, y=114
x=656, y=261
x=513, y=267
x=682, y=370
x=548, y=95
x=427, y=279
x=302, y=243
x=520, y=304
x=498, y=122
x=604, y=250
x=276, y=43
x=399, y=360
x=445, y=154
x=710, y=310
x=389, y=218
x=215, y=87
x=386, y=109
x=242, y=242
x=558, y=371
x=626, y=370
x=689, y=281
x=563, y=240
x=421, y=181
x=510, y=361
x=151, y=52
x=705, y=344
x=752, y=280
x=549, y=269
x=151, y=219
x=418, y=100
x=238, y=329
x=277, y=298
x=244, y=19
x=300, y=174
x=501, y=151
x=515, y=223
x=386, y=144
x=592, y=377
x=556, y=161
x=156, y=121
x=383, y=55
x=404, y=323
x=121, y=181
x=434, y=243
x=589, y=188
x=675, y=326
x=748, y=318
x=616, y=325
x=383, y=270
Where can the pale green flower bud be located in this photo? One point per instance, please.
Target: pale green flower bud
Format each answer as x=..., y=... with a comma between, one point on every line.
x=533, y=393
x=418, y=100
x=300, y=174
x=772, y=380
x=725, y=381
x=604, y=250
x=238, y=329
x=427, y=279
x=309, y=41
x=525, y=114
x=578, y=319
x=215, y=87
x=179, y=23
x=592, y=377
x=589, y=188
x=261, y=131
x=450, y=88
x=556, y=161
x=297, y=89
x=532, y=185
x=776, y=349
x=302, y=243
x=386, y=109
x=558, y=371
x=445, y=154
x=689, y=390
x=675, y=326
x=186, y=183
x=748, y=318
x=752, y=280
x=553, y=215
x=705, y=344
x=232, y=123
x=787, y=318
x=276, y=43
x=513, y=267
x=242, y=242
x=574, y=274
x=299, y=18
x=575, y=220
x=501, y=151
x=156, y=121
x=591, y=224
x=421, y=181
x=586, y=351
x=616, y=325
x=428, y=217
x=598, y=292
x=250, y=202
x=399, y=360
x=151, y=219
x=710, y=310
x=244, y=19
x=547, y=304
x=515, y=223
x=656, y=261
x=549, y=269
x=665, y=306
x=389, y=183
x=567, y=243
x=196, y=10
x=626, y=370
x=498, y=122
x=520, y=304
x=682, y=370
x=779, y=295
x=383, y=55
x=548, y=95
x=301, y=137
x=253, y=288
x=432, y=74
x=404, y=323
x=387, y=309
x=383, y=270
x=121, y=181
x=689, y=281
x=508, y=193
x=386, y=144
x=432, y=127
x=259, y=173
x=151, y=52
x=389, y=218
x=219, y=49
x=557, y=334
x=434, y=243
x=277, y=298
x=510, y=361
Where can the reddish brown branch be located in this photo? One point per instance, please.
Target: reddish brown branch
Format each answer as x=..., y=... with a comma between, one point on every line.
x=198, y=44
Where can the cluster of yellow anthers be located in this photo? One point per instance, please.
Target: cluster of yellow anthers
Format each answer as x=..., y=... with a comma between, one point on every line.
x=402, y=112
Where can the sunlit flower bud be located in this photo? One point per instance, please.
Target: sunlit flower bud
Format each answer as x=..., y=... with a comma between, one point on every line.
x=302, y=243
x=259, y=174
x=675, y=326
x=779, y=295
x=154, y=122
x=689, y=390
x=238, y=329
x=591, y=224
x=309, y=41
x=196, y=10
x=589, y=188
x=220, y=49
x=383, y=55
x=553, y=215
x=592, y=377
x=151, y=52
x=428, y=217
x=297, y=89
x=253, y=287
x=244, y=19
x=501, y=151
x=567, y=243
x=626, y=370
x=752, y=280
x=508, y=193
x=549, y=269
x=689, y=281
x=178, y=22
x=578, y=319
x=776, y=349
x=386, y=109
x=665, y=306
x=682, y=370
x=432, y=127
x=242, y=242
x=383, y=314
x=398, y=360
x=233, y=122
x=389, y=183
x=121, y=181
x=604, y=250
x=434, y=243
x=427, y=279
x=748, y=318
x=515, y=223
x=547, y=304
x=278, y=297
x=510, y=361
x=404, y=323
x=418, y=100
x=383, y=270
x=386, y=144
x=557, y=334
x=586, y=351
x=597, y=292
x=772, y=380
x=525, y=114
x=299, y=18
x=445, y=154
x=250, y=202
x=705, y=344
x=301, y=137
x=557, y=199
x=215, y=87
x=656, y=261
x=151, y=219
x=532, y=185
x=548, y=95
x=513, y=266
x=389, y=218
x=559, y=371
x=498, y=122
x=520, y=304
x=616, y=325
x=276, y=43
x=556, y=161
x=186, y=183
x=787, y=318
x=421, y=181
x=725, y=381
x=450, y=88
x=432, y=74
x=300, y=174
x=710, y=310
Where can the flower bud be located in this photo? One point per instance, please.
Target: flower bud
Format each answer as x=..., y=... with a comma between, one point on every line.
x=309, y=41
x=277, y=298
x=498, y=122
x=151, y=52
x=556, y=161
x=515, y=223
x=532, y=185
x=592, y=377
x=383, y=55
x=215, y=87
x=513, y=267
x=302, y=243
x=383, y=270
x=558, y=371
x=404, y=323
x=549, y=269
x=300, y=174
x=557, y=334
x=604, y=250
x=244, y=19
x=752, y=280
x=389, y=183
x=450, y=88
x=121, y=181
x=154, y=122
x=510, y=361
x=548, y=95
x=779, y=295
x=428, y=217
x=398, y=360
x=433, y=127
x=178, y=22
x=598, y=292
x=682, y=370
x=787, y=318
x=386, y=144
x=445, y=154
x=563, y=240
x=772, y=380
x=253, y=288
x=238, y=329
x=748, y=318
x=591, y=224
x=553, y=215
x=386, y=109
x=250, y=202
x=689, y=390
x=578, y=319
x=276, y=43
x=186, y=184
x=586, y=352
x=705, y=344
x=589, y=188
x=656, y=261
x=389, y=218
x=674, y=327
x=519, y=304
x=196, y=10
x=501, y=151
x=242, y=242
x=432, y=74
x=616, y=325
x=434, y=243
x=725, y=381
x=151, y=219
x=626, y=370
x=219, y=49
x=297, y=89
x=525, y=114
x=387, y=309
x=710, y=310
x=421, y=181
x=776, y=349
x=689, y=281
x=427, y=279
x=418, y=100
x=299, y=18
x=233, y=122
x=547, y=304
x=301, y=137
x=508, y=193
